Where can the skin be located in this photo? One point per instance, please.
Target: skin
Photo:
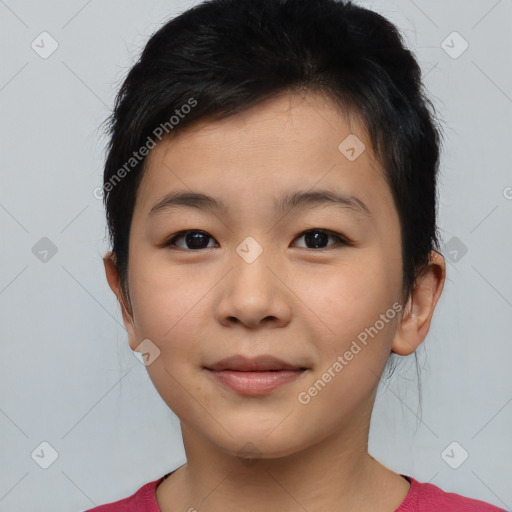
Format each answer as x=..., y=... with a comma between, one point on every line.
x=296, y=302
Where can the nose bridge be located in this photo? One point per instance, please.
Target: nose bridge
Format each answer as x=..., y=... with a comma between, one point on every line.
x=251, y=270
x=250, y=250
x=253, y=292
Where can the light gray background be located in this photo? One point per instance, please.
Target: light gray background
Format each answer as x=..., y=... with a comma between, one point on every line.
x=68, y=376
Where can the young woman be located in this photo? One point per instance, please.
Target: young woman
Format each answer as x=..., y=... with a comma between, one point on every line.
x=270, y=190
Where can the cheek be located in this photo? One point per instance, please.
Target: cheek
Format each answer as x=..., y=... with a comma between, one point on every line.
x=167, y=309
x=167, y=304
x=349, y=297
x=353, y=351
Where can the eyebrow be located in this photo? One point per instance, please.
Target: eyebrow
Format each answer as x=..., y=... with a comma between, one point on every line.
x=301, y=199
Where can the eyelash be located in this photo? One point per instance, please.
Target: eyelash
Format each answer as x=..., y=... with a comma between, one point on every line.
x=171, y=241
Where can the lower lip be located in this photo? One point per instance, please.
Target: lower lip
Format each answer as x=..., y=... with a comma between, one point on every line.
x=255, y=383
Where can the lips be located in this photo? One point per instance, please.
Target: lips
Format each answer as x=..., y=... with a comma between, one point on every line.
x=264, y=363
x=254, y=376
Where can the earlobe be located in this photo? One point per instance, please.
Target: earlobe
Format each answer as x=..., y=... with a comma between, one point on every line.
x=420, y=307
x=109, y=262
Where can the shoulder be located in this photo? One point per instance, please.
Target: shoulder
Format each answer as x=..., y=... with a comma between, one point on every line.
x=425, y=497
x=143, y=500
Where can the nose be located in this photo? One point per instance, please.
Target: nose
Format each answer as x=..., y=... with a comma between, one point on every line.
x=254, y=294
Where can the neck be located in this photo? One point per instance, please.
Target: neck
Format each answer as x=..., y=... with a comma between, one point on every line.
x=336, y=473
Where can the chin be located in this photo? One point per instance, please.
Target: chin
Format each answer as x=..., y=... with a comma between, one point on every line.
x=261, y=446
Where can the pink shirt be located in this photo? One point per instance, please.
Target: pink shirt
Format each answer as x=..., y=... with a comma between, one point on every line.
x=422, y=497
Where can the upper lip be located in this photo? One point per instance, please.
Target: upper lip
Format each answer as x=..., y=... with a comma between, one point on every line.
x=255, y=364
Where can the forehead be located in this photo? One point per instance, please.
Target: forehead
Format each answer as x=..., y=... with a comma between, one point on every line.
x=276, y=147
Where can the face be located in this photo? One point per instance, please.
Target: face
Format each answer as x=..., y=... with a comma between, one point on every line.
x=302, y=281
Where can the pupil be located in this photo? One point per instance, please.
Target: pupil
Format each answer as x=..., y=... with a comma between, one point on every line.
x=315, y=237
x=194, y=240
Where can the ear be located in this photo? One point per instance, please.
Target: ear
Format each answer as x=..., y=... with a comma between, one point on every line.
x=109, y=261
x=415, y=322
